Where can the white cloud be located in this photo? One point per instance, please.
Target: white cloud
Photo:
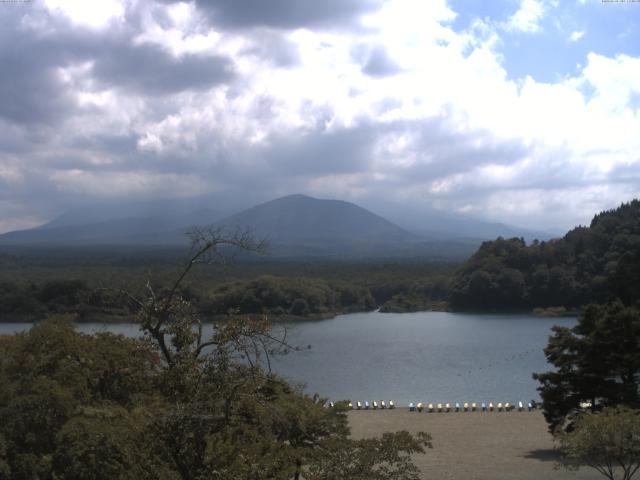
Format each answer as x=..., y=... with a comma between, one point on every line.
x=527, y=18
x=91, y=14
x=577, y=35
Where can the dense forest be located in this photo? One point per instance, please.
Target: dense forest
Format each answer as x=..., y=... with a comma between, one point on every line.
x=589, y=264
x=91, y=288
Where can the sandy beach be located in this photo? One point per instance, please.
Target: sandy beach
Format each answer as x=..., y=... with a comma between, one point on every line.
x=475, y=445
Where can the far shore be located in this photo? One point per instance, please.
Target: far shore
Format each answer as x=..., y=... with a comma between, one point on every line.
x=287, y=318
x=475, y=445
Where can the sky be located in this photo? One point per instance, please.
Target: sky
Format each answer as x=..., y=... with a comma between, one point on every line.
x=525, y=112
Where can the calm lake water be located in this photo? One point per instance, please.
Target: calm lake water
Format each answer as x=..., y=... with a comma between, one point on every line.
x=408, y=357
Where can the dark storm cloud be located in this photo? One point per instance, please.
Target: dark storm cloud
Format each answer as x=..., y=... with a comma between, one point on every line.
x=297, y=158
x=285, y=14
x=32, y=92
x=379, y=64
x=444, y=151
x=114, y=144
x=272, y=47
x=629, y=173
x=149, y=69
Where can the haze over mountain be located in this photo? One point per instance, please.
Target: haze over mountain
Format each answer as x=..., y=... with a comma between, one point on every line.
x=296, y=225
x=299, y=218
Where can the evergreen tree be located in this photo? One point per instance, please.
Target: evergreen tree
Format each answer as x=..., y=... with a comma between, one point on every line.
x=597, y=362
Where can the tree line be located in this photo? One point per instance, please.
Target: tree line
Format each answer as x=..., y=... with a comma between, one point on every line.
x=308, y=290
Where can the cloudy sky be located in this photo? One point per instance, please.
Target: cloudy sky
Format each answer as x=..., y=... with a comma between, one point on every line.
x=521, y=111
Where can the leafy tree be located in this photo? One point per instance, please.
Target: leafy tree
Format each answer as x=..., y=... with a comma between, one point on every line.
x=607, y=441
x=597, y=362
x=49, y=375
x=4, y=465
x=370, y=459
x=103, y=443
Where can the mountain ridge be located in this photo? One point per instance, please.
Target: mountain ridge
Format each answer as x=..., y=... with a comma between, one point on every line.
x=297, y=225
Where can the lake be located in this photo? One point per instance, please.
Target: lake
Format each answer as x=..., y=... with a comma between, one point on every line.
x=408, y=357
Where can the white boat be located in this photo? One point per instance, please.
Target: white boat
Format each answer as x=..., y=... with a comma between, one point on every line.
x=439, y=407
x=419, y=406
x=350, y=406
x=520, y=406
x=447, y=407
x=499, y=406
x=359, y=405
x=466, y=407
x=457, y=407
x=474, y=406
x=484, y=407
x=491, y=406
x=412, y=407
x=382, y=404
x=366, y=404
x=430, y=408
x=391, y=405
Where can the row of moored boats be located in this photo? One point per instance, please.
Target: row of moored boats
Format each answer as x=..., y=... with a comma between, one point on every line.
x=471, y=407
x=444, y=407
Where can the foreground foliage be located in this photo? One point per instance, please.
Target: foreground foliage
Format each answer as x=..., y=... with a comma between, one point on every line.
x=176, y=404
x=608, y=441
x=597, y=362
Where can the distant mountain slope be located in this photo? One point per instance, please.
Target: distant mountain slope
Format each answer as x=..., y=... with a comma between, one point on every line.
x=438, y=224
x=301, y=219
x=297, y=226
x=134, y=231
x=87, y=229
x=589, y=264
x=313, y=226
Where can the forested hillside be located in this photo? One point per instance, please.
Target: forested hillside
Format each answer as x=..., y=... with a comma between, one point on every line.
x=31, y=288
x=589, y=264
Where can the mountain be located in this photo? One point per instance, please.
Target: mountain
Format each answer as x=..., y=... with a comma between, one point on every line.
x=161, y=223
x=65, y=231
x=296, y=226
x=439, y=225
x=303, y=219
x=169, y=213
x=302, y=226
